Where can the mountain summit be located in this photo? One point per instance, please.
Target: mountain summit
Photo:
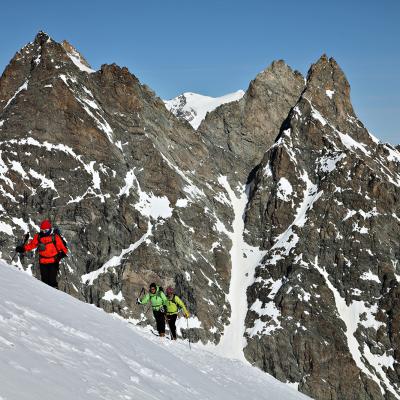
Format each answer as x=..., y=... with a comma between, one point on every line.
x=194, y=107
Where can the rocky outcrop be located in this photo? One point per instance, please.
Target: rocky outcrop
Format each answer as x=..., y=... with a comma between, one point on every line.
x=242, y=131
x=310, y=276
x=324, y=206
x=99, y=154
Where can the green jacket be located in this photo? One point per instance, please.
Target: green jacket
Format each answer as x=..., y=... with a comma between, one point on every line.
x=174, y=305
x=157, y=300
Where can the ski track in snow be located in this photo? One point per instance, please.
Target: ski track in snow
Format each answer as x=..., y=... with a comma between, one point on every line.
x=53, y=346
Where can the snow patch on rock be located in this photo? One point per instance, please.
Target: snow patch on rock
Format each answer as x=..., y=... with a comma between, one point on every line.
x=285, y=189
x=116, y=261
x=194, y=107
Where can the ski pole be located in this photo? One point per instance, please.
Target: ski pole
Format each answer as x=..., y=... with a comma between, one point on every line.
x=139, y=304
x=144, y=314
x=66, y=277
x=12, y=260
x=141, y=292
x=169, y=326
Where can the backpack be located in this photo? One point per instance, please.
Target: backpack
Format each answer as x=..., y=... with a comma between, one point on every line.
x=57, y=231
x=161, y=289
x=174, y=301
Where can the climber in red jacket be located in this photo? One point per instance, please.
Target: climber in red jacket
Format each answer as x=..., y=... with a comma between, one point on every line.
x=51, y=250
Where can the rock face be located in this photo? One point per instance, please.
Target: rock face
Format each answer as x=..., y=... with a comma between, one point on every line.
x=278, y=220
x=245, y=129
x=324, y=205
x=100, y=155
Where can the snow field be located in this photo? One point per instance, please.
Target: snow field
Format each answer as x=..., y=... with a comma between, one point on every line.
x=54, y=346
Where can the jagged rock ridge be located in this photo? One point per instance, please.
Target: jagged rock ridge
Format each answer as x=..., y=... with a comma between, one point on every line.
x=324, y=206
x=134, y=183
x=311, y=280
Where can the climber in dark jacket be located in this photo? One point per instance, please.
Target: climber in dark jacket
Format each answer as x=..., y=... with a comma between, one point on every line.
x=51, y=250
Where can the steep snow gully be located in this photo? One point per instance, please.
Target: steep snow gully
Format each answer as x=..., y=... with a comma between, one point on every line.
x=244, y=259
x=54, y=346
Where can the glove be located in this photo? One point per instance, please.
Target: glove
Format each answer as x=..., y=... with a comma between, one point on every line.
x=138, y=301
x=162, y=309
x=187, y=315
x=61, y=255
x=20, y=249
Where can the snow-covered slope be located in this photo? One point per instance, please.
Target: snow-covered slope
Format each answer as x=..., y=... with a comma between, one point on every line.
x=53, y=346
x=193, y=107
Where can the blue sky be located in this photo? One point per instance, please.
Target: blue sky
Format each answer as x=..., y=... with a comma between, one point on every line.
x=214, y=47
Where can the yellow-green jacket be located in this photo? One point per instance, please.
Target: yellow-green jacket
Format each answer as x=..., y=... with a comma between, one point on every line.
x=174, y=305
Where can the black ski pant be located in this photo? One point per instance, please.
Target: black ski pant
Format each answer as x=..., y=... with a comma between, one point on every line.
x=48, y=274
x=160, y=321
x=172, y=324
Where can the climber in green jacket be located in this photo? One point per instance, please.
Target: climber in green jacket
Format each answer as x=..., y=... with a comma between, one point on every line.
x=158, y=302
x=174, y=305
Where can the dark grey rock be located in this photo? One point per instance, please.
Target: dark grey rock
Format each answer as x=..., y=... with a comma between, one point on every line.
x=137, y=194
x=324, y=204
x=239, y=133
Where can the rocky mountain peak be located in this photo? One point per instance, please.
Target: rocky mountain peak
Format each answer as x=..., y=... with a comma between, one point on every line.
x=275, y=74
x=41, y=60
x=43, y=51
x=329, y=90
x=41, y=38
x=324, y=199
x=240, y=127
x=112, y=71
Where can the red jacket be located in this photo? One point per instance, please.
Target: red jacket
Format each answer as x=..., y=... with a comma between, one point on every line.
x=51, y=249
